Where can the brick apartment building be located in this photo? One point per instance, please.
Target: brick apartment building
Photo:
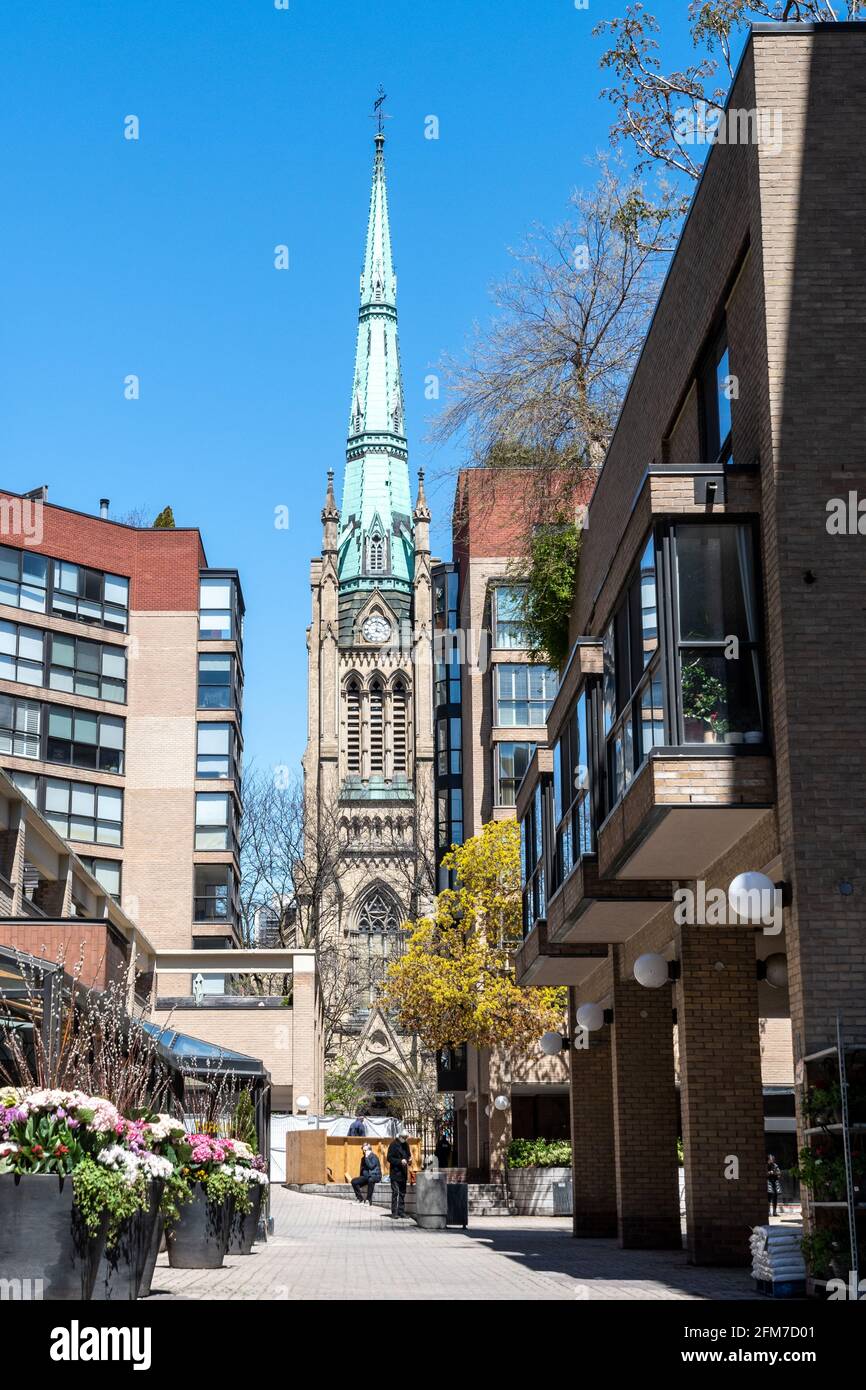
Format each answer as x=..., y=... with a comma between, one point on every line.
x=491, y=702
x=121, y=683
x=678, y=758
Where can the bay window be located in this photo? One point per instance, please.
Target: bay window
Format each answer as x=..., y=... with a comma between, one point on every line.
x=632, y=699
x=532, y=861
x=214, y=821
x=717, y=625
x=215, y=753
x=524, y=694
x=512, y=760
x=508, y=628
x=572, y=808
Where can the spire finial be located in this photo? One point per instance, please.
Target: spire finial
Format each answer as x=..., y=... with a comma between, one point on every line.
x=378, y=114
x=330, y=511
x=422, y=511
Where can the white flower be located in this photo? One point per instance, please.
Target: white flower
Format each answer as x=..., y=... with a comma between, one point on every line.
x=155, y=1166
x=7, y=1149
x=164, y=1127
x=121, y=1161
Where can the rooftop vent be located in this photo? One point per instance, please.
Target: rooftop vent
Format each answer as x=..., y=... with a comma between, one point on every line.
x=104, y=504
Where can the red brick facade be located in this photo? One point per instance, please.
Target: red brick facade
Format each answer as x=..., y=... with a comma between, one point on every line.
x=162, y=566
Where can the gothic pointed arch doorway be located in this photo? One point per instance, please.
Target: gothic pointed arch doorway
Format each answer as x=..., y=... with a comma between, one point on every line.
x=387, y=1089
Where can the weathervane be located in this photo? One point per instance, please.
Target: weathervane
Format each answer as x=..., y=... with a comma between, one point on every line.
x=377, y=113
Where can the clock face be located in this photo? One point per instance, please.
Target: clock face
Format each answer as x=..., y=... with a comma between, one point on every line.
x=376, y=629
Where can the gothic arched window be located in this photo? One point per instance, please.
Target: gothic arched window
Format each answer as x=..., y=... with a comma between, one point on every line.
x=353, y=727
x=377, y=940
x=377, y=728
x=399, y=727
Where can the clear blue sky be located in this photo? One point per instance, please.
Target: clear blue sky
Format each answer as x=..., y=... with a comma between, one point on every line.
x=155, y=257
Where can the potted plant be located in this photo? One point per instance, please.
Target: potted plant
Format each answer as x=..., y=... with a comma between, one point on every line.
x=249, y=1169
x=164, y=1134
x=704, y=698
x=57, y=1201
x=200, y=1236
x=825, y=1255
x=130, y=1243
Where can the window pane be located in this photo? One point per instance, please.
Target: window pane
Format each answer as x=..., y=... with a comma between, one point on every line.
x=211, y=808
x=114, y=662
x=30, y=644
x=10, y=561
x=715, y=584
x=86, y=726
x=110, y=803
x=66, y=576
x=117, y=590
x=7, y=638
x=213, y=738
x=56, y=795
x=35, y=569
x=60, y=723
x=723, y=371
x=215, y=593
x=83, y=799
x=33, y=600
x=720, y=697
x=111, y=732
x=26, y=784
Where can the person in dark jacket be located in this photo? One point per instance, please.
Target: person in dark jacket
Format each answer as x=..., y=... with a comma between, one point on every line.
x=774, y=1183
x=443, y=1150
x=370, y=1174
x=399, y=1159
x=357, y=1129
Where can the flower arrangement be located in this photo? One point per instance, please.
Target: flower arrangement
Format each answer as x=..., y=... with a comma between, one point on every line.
x=215, y=1163
x=111, y=1159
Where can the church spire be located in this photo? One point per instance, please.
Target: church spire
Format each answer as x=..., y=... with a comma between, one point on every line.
x=376, y=539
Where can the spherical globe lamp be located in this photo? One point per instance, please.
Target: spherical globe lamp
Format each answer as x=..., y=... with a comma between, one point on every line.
x=551, y=1043
x=302, y=1104
x=776, y=967
x=590, y=1017
x=752, y=896
x=502, y=1102
x=651, y=970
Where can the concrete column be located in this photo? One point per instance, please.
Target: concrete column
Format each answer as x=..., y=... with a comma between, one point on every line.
x=645, y=1117
x=721, y=1094
x=592, y=1142
x=306, y=1067
x=500, y=1120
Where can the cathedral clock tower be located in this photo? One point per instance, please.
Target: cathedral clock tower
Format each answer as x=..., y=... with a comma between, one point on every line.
x=368, y=766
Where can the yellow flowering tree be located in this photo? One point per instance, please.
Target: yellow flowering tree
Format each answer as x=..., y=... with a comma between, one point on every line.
x=455, y=983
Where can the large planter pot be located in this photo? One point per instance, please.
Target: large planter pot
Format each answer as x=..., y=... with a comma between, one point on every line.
x=541, y=1191
x=156, y=1243
x=44, y=1246
x=199, y=1238
x=122, y=1266
x=244, y=1225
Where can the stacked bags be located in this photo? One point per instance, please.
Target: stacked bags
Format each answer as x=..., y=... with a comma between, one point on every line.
x=776, y=1253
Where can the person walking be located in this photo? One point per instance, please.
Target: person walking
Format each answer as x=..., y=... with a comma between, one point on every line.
x=774, y=1183
x=370, y=1174
x=399, y=1159
x=357, y=1129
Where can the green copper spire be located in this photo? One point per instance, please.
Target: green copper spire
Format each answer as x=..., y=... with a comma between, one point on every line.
x=376, y=547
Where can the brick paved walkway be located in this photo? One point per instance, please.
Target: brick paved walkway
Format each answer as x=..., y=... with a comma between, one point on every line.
x=328, y=1249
